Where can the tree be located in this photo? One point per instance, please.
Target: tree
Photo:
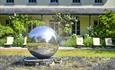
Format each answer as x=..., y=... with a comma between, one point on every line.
x=5, y=31
x=20, y=23
x=18, y=27
x=106, y=27
x=66, y=20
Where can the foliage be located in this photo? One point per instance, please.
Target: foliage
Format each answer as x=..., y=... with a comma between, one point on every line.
x=5, y=31
x=102, y=41
x=66, y=21
x=88, y=42
x=2, y=41
x=71, y=41
x=106, y=28
x=67, y=28
x=19, y=25
x=18, y=41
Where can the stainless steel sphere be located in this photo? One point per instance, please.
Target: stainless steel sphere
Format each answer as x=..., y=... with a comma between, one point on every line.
x=43, y=42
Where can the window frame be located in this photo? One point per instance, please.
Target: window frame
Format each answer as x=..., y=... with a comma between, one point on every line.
x=76, y=28
x=54, y=2
x=32, y=2
x=74, y=2
x=55, y=25
x=10, y=2
x=98, y=2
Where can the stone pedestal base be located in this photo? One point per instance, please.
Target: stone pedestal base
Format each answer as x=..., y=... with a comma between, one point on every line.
x=38, y=62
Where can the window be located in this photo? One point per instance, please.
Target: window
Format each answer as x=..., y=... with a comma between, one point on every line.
x=76, y=28
x=76, y=1
x=10, y=1
x=7, y=22
x=32, y=1
x=96, y=22
x=53, y=1
x=98, y=1
x=55, y=25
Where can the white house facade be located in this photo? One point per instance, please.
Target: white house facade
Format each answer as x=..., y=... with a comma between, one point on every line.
x=86, y=10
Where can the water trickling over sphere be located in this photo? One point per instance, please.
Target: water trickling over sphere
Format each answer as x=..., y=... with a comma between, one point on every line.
x=43, y=42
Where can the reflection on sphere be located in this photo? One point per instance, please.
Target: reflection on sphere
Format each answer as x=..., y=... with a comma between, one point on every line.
x=43, y=42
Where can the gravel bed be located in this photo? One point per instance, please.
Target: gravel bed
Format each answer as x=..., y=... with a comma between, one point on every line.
x=60, y=63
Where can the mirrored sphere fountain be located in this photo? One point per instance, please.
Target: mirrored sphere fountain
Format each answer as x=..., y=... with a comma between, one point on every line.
x=42, y=42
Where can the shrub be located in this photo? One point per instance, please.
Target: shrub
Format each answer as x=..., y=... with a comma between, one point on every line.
x=5, y=31
x=2, y=41
x=18, y=41
x=105, y=27
x=71, y=41
x=102, y=41
x=113, y=40
x=88, y=41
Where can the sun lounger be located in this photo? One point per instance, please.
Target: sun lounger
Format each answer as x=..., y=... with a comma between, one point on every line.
x=25, y=42
x=79, y=41
x=96, y=42
x=9, y=41
x=108, y=42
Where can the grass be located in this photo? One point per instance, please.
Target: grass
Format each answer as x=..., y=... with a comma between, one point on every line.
x=86, y=53
x=13, y=51
x=61, y=53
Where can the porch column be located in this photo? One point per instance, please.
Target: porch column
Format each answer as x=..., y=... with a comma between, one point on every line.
x=41, y=17
x=89, y=24
x=89, y=20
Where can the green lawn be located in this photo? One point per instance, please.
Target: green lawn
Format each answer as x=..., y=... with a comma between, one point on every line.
x=60, y=53
x=20, y=52
x=86, y=53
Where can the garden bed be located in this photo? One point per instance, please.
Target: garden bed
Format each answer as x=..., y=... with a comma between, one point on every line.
x=67, y=63
x=71, y=59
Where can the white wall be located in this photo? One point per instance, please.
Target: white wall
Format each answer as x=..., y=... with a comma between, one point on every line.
x=110, y=3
